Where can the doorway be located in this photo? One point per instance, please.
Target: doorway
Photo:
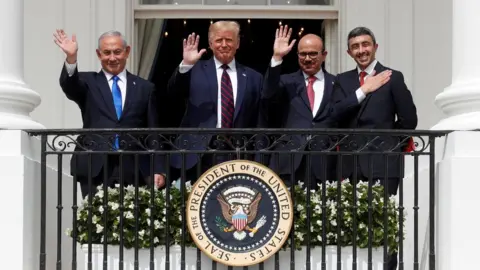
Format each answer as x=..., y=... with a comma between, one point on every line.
x=256, y=48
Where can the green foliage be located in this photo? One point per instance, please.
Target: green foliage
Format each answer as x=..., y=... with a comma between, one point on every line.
x=339, y=217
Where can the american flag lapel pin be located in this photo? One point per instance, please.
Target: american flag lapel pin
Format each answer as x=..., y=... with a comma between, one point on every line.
x=244, y=75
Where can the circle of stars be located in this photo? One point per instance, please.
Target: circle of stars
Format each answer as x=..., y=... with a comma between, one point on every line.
x=270, y=231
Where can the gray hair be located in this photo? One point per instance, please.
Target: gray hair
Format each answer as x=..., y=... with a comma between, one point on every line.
x=361, y=31
x=112, y=33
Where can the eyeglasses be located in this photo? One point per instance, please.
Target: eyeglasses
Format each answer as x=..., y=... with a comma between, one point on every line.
x=312, y=55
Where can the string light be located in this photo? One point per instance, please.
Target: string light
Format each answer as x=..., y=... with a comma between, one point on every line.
x=288, y=2
x=248, y=20
x=166, y=34
x=301, y=31
x=280, y=23
x=184, y=22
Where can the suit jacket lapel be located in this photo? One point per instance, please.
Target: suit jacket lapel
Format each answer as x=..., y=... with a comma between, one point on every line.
x=131, y=85
x=327, y=92
x=211, y=75
x=106, y=94
x=241, y=88
x=378, y=68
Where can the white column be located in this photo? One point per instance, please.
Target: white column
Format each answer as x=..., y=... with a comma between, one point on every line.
x=457, y=202
x=17, y=100
x=461, y=100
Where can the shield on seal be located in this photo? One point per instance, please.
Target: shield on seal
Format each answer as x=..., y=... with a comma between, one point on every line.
x=239, y=221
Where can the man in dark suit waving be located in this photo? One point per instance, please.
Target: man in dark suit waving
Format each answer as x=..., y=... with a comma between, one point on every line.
x=219, y=92
x=111, y=98
x=303, y=97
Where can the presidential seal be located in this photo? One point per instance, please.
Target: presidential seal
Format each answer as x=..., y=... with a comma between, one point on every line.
x=239, y=213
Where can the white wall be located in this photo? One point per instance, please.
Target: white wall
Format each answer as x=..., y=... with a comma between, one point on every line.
x=412, y=37
x=43, y=59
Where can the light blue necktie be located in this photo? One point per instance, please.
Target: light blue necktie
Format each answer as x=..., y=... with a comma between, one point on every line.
x=117, y=101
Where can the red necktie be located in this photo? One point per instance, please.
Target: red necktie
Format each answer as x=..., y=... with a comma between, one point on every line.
x=228, y=107
x=362, y=77
x=310, y=92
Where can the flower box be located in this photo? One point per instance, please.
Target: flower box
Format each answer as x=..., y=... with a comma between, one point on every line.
x=191, y=259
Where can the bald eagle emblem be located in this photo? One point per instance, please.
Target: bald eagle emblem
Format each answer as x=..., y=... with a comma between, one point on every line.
x=239, y=209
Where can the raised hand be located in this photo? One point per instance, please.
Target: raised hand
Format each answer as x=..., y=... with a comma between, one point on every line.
x=373, y=82
x=68, y=46
x=281, y=46
x=190, y=50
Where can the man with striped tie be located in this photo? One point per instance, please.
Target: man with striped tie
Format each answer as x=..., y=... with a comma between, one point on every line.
x=111, y=98
x=219, y=93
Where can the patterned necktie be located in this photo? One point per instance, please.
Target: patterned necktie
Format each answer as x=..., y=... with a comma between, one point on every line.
x=310, y=92
x=362, y=77
x=117, y=101
x=228, y=107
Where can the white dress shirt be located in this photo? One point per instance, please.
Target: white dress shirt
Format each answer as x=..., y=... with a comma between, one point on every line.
x=232, y=72
x=369, y=70
x=122, y=79
x=318, y=86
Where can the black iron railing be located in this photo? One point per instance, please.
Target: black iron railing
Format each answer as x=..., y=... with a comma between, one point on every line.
x=323, y=159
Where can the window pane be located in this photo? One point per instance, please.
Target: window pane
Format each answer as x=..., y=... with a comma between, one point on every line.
x=236, y=2
x=301, y=2
x=170, y=2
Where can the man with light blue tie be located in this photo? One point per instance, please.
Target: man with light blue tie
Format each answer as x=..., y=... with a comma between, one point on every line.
x=111, y=98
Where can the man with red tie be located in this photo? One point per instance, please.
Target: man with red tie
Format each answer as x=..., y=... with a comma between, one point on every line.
x=372, y=96
x=303, y=100
x=219, y=93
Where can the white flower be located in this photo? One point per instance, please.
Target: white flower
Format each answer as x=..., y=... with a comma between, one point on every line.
x=156, y=240
x=113, y=205
x=100, y=209
x=68, y=232
x=147, y=211
x=299, y=207
x=319, y=222
x=319, y=237
x=333, y=222
x=95, y=219
x=157, y=224
x=115, y=236
x=188, y=186
x=129, y=215
x=99, y=228
x=141, y=233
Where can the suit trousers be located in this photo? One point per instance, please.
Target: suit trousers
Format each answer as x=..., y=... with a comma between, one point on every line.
x=113, y=177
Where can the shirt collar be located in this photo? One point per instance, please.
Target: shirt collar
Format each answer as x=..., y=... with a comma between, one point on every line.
x=319, y=75
x=219, y=64
x=122, y=75
x=370, y=67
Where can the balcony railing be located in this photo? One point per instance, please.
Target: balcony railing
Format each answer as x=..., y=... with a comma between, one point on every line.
x=355, y=190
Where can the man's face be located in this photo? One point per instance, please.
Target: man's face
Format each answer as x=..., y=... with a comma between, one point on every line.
x=224, y=44
x=112, y=55
x=310, y=56
x=362, y=50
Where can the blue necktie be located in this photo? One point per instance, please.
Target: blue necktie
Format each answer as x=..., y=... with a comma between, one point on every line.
x=117, y=101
